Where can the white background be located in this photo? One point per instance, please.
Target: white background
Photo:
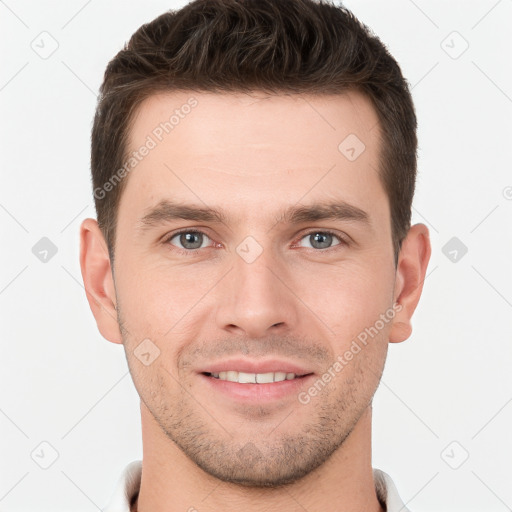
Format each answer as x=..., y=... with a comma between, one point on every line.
x=63, y=384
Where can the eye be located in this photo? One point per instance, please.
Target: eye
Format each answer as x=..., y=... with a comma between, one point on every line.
x=191, y=240
x=188, y=240
x=322, y=239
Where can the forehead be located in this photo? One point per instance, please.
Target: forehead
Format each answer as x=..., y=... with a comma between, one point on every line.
x=253, y=119
x=255, y=149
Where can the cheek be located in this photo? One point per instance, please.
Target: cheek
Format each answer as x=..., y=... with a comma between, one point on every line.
x=156, y=298
x=347, y=297
x=160, y=299
x=155, y=383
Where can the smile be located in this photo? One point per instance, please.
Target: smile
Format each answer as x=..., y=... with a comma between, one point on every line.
x=253, y=378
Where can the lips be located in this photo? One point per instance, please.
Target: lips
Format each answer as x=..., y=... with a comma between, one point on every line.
x=258, y=391
x=254, y=378
x=255, y=367
x=251, y=381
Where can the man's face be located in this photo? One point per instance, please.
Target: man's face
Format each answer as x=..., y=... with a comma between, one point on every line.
x=256, y=291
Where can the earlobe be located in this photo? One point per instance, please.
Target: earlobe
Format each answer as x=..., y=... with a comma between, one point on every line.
x=98, y=280
x=410, y=275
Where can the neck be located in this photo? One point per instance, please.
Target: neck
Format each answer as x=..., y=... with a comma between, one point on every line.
x=171, y=482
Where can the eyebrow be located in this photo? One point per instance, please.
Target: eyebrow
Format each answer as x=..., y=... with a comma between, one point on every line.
x=167, y=210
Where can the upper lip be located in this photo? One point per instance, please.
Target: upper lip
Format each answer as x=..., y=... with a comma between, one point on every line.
x=252, y=366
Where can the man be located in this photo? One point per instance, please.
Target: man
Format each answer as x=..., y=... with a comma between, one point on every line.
x=253, y=165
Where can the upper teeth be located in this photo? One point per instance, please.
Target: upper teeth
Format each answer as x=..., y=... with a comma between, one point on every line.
x=255, y=378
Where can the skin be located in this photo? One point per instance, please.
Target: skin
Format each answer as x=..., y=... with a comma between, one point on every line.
x=254, y=156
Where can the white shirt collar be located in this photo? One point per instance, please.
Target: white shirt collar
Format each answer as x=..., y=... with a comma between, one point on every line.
x=128, y=485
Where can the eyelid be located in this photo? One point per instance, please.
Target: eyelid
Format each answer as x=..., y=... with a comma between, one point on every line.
x=167, y=238
x=343, y=239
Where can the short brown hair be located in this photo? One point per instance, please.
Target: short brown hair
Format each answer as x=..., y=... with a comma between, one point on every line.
x=276, y=46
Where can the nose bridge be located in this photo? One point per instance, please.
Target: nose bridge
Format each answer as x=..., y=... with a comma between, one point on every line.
x=255, y=298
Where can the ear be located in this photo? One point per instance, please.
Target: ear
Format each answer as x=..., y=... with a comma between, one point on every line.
x=411, y=269
x=98, y=280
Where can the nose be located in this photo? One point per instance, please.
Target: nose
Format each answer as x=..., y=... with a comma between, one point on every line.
x=256, y=298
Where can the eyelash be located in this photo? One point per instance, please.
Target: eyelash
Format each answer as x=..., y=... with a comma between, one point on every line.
x=193, y=252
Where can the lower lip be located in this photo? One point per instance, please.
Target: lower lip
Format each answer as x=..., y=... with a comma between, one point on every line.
x=257, y=392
